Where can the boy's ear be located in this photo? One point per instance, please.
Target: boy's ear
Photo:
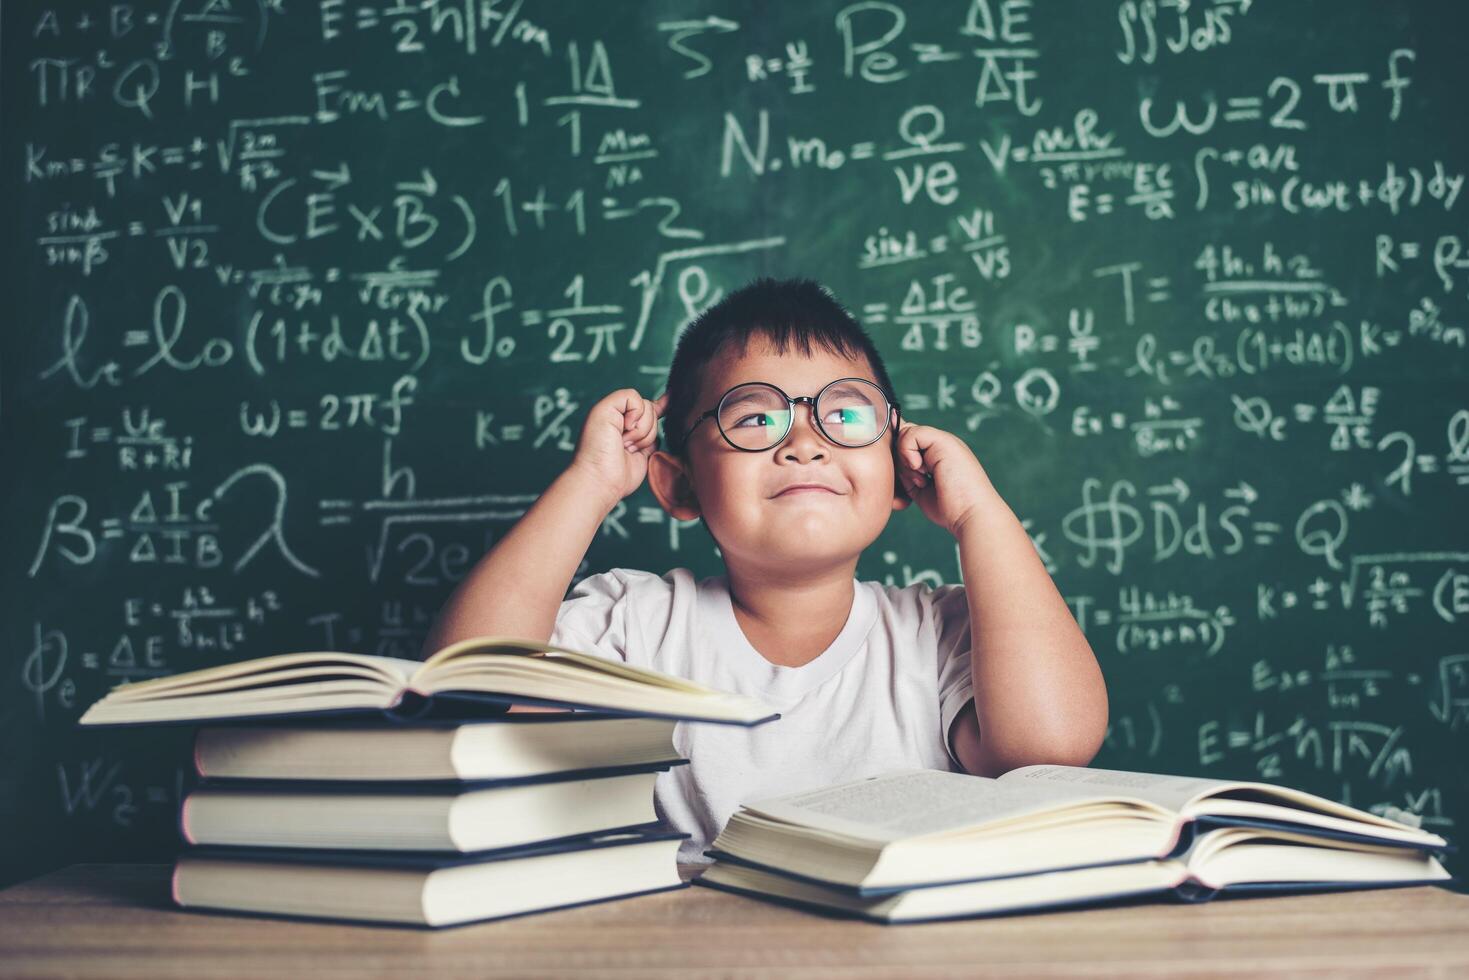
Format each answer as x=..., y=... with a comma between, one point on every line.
x=669, y=480
x=901, y=500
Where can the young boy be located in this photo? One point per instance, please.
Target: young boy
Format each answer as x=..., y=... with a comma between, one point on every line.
x=981, y=677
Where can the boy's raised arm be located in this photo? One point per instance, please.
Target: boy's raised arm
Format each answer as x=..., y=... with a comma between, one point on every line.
x=517, y=588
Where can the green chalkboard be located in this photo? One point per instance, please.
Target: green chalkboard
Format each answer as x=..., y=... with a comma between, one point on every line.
x=306, y=303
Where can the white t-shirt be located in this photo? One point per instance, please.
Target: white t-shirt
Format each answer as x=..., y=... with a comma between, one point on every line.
x=882, y=696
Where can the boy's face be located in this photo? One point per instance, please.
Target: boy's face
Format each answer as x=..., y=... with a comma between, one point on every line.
x=738, y=493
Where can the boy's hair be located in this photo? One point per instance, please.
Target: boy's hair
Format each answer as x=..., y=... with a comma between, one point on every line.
x=788, y=313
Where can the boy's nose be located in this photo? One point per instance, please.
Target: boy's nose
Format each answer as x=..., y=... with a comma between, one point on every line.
x=805, y=438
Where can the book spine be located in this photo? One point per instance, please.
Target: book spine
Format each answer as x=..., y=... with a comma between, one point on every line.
x=1193, y=893
x=198, y=763
x=184, y=820
x=410, y=705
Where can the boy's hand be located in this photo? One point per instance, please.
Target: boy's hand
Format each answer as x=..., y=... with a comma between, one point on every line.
x=941, y=475
x=617, y=439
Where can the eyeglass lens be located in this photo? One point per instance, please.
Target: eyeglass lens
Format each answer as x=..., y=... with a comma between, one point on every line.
x=757, y=416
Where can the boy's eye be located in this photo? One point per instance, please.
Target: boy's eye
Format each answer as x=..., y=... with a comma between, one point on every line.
x=838, y=415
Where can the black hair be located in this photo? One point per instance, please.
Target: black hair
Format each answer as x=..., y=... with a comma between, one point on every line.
x=788, y=313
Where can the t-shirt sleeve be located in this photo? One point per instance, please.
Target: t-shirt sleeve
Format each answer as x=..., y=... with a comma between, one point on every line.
x=600, y=615
x=950, y=606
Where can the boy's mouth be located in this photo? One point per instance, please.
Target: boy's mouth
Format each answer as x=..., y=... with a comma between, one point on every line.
x=799, y=488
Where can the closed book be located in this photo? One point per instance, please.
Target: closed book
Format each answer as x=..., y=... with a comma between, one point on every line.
x=1230, y=861
x=424, y=816
x=479, y=675
x=920, y=827
x=427, y=889
x=513, y=745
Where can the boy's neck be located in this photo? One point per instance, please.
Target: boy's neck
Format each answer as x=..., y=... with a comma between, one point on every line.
x=790, y=622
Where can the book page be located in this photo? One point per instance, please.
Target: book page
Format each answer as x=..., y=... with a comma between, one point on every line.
x=1173, y=792
x=912, y=802
x=398, y=667
x=268, y=670
x=522, y=669
x=476, y=649
x=1240, y=854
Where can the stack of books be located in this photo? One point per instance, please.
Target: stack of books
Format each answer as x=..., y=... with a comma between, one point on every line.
x=347, y=786
x=917, y=845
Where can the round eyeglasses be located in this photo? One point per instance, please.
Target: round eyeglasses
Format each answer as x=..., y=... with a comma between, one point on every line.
x=756, y=416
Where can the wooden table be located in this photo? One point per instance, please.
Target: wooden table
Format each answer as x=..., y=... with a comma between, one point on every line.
x=117, y=920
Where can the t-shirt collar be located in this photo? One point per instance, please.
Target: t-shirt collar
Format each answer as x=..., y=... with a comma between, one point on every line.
x=773, y=680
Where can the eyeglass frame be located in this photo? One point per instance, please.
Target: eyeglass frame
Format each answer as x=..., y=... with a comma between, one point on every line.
x=791, y=403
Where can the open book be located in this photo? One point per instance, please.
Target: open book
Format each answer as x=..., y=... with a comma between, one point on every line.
x=493, y=671
x=922, y=827
x=1228, y=860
